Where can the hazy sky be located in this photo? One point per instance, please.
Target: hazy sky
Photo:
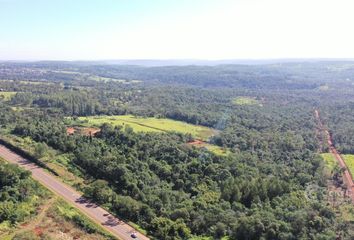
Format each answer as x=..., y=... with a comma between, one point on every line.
x=175, y=29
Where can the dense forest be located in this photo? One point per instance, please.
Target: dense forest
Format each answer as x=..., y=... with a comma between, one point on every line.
x=259, y=190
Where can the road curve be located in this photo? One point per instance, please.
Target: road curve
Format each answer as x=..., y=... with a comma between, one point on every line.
x=116, y=227
x=347, y=177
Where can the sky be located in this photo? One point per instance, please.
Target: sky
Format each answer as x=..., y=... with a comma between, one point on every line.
x=175, y=29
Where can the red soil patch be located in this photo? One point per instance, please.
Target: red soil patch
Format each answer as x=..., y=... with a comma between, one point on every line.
x=90, y=131
x=86, y=131
x=38, y=231
x=70, y=131
x=196, y=143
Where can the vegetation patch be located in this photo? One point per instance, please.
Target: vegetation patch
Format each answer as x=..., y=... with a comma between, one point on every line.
x=245, y=101
x=150, y=124
x=54, y=159
x=330, y=161
x=221, y=151
x=349, y=161
x=72, y=214
x=7, y=95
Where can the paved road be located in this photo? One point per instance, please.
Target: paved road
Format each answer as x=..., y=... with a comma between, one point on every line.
x=347, y=177
x=118, y=228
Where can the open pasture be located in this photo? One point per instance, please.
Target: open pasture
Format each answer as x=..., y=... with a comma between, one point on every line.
x=150, y=124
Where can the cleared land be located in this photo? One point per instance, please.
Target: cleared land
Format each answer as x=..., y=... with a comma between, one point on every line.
x=245, y=101
x=349, y=161
x=212, y=148
x=150, y=124
x=7, y=95
x=330, y=161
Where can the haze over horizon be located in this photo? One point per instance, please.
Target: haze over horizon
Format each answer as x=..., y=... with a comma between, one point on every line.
x=193, y=30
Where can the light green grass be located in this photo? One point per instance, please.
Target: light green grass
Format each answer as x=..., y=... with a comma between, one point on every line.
x=245, y=101
x=150, y=124
x=138, y=228
x=7, y=95
x=216, y=149
x=349, y=161
x=329, y=160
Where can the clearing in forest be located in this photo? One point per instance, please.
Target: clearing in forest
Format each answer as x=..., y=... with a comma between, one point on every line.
x=150, y=124
x=245, y=101
x=210, y=147
x=349, y=161
x=329, y=160
x=7, y=95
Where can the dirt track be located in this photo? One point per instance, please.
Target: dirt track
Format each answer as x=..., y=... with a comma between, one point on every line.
x=115, y=226
x=347, y=178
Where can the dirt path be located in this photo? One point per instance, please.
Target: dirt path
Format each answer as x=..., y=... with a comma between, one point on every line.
x=42, y=212
x=115, y=226
x=348, y=180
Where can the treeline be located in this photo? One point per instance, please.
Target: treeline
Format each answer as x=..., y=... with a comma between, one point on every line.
x=286, y=76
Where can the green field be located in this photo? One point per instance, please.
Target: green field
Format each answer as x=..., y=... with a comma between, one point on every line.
x=349, y=161
x=330, y=161
x=245, y=101
x=7, y=95
x=150, y=124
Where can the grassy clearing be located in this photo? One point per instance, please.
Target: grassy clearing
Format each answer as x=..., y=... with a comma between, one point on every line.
x=245, y=101
x=329, y=160
x=7, y=95
x=349, y=161
x=214, y=149
x=217, y=150
x=150, y=124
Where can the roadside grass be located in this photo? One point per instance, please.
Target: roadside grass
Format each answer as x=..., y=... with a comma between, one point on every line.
x=245, y=101
x=60, y=215
x=6, y=96
x=57, y=220
x=138, y=228
x=54, y=159
x=150, y=124
x=349, y=161
x=70, y=213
